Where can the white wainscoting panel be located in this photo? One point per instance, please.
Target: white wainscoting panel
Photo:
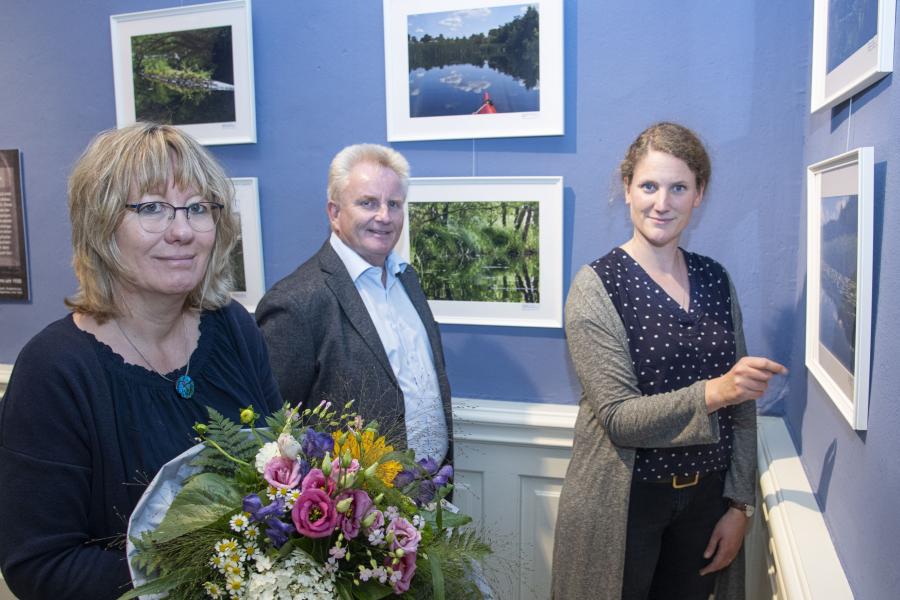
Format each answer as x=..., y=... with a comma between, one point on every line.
x=510, y=460
x=5, y=372
x=800, y=559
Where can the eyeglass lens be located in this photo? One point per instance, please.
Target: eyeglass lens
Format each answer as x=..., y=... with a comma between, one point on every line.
x=155, y=217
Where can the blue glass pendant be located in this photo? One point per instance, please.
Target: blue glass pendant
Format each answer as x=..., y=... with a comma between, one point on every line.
x=185, y=387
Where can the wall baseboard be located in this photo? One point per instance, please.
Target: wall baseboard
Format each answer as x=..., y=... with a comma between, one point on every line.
x=801, y=561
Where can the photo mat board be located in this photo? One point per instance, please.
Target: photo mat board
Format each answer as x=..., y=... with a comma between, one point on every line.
x=247, y=255
x=190, y=66
x=853, y=47
x=488, y=250
x=14, y=280
x=839, y=279
x=457, y=69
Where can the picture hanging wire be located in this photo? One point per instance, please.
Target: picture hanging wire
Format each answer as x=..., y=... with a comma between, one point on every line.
x=849, y=123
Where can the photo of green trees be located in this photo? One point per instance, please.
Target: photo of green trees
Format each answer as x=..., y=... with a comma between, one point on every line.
x=184, y=77
x=476, y=251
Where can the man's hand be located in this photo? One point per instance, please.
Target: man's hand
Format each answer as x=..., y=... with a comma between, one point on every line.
x=725, y=541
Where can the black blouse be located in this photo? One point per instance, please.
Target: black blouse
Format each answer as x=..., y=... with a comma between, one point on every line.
x=672, y=348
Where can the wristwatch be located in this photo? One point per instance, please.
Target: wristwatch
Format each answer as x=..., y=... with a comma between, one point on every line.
x=747, y=509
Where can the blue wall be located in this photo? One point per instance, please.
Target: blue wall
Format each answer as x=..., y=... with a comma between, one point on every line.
x=738, y=72
x=856, y=475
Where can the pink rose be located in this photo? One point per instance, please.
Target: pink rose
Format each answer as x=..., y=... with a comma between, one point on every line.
x=407, y=568
x=316, y=479
x=282, y=473
x=359, y=507
x=406, y=536
x=314, y=514
x=337, y=470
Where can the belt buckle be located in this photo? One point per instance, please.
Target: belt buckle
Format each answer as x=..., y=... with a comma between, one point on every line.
x=678, y=486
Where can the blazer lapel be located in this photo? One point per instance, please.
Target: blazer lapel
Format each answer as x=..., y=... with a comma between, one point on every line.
x=338, y=280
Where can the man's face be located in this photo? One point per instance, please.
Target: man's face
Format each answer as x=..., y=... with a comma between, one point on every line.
x=369, y=214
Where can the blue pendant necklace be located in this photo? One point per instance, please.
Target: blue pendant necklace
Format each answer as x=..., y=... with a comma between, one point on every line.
x=184, y=385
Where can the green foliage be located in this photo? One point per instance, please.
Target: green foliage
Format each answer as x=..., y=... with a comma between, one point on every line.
x=225, y=436
x=477, y=251
x=455, y=553
x=202, y=501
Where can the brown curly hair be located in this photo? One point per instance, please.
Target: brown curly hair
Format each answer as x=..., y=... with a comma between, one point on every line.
x=674, y=139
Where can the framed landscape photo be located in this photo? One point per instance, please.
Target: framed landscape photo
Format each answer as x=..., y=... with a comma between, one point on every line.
x=839, y=279
x=473, y=68
x=853, y=47
x=189, y=66
x=14, y=280
x=247, y=256
x=488, y=250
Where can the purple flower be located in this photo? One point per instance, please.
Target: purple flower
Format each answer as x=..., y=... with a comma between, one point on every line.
x=429, y=464
x=430, y=477
x=283, y=473
x=315, y=444
x=278, y=531
x=378, y=519
x=403, y=479
x=407, y=568
x=316, y=479
x=359, y=507
x=260, y=513
x=427, y=490
x=443, y=476
x=406, y=535
x=314, y=514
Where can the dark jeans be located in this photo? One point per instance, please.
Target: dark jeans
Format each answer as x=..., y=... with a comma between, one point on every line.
x=668, y=530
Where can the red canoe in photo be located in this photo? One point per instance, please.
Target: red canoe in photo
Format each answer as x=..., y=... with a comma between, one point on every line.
x=487, y=106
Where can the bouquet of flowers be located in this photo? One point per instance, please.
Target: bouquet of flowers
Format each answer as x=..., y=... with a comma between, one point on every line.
x=316, y=505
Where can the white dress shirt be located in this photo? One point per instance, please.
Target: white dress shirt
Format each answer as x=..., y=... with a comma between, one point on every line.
x=407, y=347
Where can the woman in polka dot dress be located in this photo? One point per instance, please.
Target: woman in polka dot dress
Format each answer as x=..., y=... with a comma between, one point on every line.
x=662, y=478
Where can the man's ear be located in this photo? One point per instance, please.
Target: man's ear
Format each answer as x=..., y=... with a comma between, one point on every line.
x=333, y=210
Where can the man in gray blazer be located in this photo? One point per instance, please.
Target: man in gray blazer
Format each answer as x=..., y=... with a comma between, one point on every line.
x=352, y=322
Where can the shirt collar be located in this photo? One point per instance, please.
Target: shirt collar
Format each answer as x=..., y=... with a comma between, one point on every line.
x=356, y=265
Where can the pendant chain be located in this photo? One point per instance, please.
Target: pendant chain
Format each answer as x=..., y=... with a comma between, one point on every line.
x=146, y=360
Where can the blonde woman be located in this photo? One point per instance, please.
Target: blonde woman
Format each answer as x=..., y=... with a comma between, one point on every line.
x=101, y=399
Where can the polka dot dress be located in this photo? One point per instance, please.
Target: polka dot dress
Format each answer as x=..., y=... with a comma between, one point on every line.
x=672, y=348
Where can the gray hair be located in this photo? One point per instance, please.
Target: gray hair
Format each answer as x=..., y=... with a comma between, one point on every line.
x=344, y=161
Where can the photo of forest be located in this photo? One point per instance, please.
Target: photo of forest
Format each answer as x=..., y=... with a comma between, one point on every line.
x=184, y=77
x=837, y=298
x=237, y=261
x=476, y=251
x=478, y=61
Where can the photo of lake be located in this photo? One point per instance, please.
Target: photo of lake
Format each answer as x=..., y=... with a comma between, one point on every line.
x=184, y=77
x=837, y=297
x=237, y=261
x=851, y=23
x=478, y=61
x=476, y=251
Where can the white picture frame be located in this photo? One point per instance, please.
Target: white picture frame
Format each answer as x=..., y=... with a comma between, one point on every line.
x=529, y=304
x=840, y=217
x=248, y=254
x=206, y=92
x=853, y=47
x=436, y=101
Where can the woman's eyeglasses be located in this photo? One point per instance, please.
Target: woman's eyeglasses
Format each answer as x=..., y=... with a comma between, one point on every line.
x=155, y=217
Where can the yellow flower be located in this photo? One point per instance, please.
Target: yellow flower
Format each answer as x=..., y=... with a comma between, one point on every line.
x=372, y=450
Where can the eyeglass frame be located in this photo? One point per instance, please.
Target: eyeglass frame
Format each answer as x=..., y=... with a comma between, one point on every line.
x=136, y=207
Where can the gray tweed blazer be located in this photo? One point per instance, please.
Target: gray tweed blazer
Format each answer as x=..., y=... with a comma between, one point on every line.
x=324, y=346
x=613, y=419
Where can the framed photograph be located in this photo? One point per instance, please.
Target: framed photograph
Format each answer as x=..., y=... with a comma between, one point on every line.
x=473, y=68
x=247, y=256
x=488, y=250
x=189, y=66
x=839, y=279
x=13, y=245
x=853, y=47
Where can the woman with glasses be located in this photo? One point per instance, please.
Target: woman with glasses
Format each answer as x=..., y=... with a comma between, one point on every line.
x=662, y=482
x=101, y=399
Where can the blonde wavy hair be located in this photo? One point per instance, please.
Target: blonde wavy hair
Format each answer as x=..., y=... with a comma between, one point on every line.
x=119, y=166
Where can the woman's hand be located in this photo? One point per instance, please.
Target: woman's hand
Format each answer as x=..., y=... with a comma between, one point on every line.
x=748, y=379
x=725, y=541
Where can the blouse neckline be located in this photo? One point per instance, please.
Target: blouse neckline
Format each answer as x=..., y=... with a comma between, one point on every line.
x=690, y=312
x=111, y=359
